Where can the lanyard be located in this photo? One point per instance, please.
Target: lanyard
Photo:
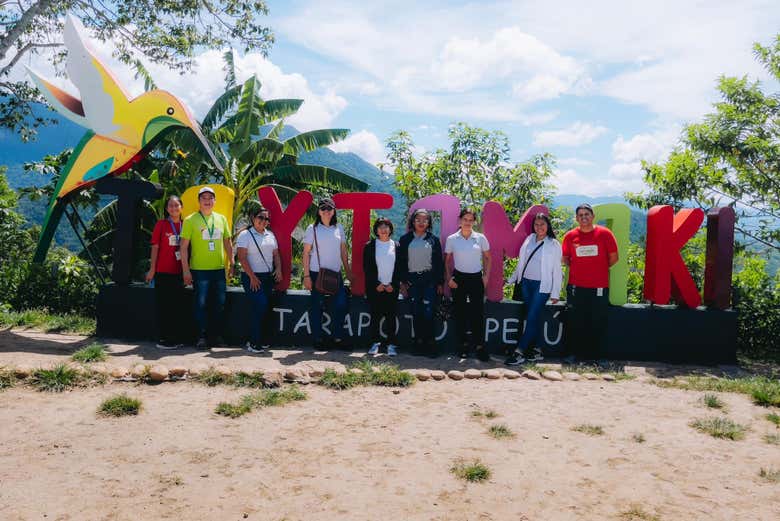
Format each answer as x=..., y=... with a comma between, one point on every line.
x=211, y=230
x=173, y=228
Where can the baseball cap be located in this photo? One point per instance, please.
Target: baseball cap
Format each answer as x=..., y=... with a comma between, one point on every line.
x=326, y=201
x=584, y=206
x=206, y=189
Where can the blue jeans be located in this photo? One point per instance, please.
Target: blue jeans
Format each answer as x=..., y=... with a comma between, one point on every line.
x=209, y=288
x=533, y=302
x=259, y=302
x=337, y=308
x=422, y=299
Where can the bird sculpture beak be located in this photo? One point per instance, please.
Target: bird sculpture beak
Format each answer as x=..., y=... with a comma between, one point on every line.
x=196, y=129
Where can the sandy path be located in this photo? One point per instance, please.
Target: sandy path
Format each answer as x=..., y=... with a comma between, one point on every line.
x=372, y=454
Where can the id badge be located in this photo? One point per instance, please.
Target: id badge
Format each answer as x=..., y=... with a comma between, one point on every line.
x=173, y=240
x=599, y=292
x=178, y=255
x=212, y=246
x=587, y=251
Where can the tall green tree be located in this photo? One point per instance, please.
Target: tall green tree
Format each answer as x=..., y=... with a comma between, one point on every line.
x=731, y=157
x=163, y=31
x=476, y=168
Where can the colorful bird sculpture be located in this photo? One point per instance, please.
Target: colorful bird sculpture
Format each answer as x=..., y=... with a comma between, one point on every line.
x=120, y=132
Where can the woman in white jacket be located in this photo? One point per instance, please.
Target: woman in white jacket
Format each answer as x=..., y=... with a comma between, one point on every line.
x=540, y=275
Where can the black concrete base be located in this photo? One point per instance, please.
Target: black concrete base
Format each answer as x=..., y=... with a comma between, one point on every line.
x=636, y=332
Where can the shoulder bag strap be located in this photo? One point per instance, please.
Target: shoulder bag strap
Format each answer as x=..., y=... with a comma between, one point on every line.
x=529, y=260
x=317, y=246
x=261, y=251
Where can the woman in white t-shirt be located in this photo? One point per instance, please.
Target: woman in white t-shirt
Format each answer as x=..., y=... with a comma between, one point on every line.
x=469, y=252
x=325, y=246
x=380, y=266
x=258, y=253
x=540, y=276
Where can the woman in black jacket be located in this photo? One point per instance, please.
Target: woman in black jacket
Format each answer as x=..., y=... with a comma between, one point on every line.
x=380, y=265
x=421, y=272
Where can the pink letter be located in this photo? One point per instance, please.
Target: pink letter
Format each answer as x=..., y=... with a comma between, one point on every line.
x=449, y=207
x=505, y=241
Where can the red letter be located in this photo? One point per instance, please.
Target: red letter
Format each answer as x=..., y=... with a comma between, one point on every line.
x=720, y=257
x=505, y=241
x=361, y=204
x=665, y=270
x=284, y=222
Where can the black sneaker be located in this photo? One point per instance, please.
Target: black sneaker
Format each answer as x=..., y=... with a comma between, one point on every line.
x=202, y=343
x=534, y=356
x=482, y=354
x=515, y=359
x=166, y=345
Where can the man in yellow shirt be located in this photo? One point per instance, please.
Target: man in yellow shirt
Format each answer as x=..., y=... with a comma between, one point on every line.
x=206, y=250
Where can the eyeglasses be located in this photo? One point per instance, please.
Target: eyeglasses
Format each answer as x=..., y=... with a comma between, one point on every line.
x=326, y=208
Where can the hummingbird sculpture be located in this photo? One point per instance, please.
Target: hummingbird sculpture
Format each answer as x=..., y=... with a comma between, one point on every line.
x=120, y=131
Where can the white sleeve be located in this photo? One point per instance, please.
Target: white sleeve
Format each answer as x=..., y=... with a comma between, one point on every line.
x=243, y=239
x=448, y=245
x=342, y=234
x=484, y=243
x=308, y=236
x=557, y=271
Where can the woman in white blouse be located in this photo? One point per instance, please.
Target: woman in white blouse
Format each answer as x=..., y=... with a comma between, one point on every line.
x=258, y=253
x=540, y=276
x=380, y=266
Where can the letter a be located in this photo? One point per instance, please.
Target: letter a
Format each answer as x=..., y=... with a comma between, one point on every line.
x=665, y=271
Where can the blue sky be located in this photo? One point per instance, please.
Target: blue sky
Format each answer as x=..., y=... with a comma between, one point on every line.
x=600, y=84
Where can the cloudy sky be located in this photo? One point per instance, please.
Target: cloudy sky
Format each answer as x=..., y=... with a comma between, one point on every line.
x=600, y=84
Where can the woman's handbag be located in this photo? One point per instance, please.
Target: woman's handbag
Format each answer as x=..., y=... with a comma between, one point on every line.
x=517, y=292
x=327, y=281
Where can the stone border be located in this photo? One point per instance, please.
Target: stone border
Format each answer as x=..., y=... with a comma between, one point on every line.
x=162, y=373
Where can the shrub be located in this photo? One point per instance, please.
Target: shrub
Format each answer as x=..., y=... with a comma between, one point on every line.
x=55, y=380
x=120, y=405
x=720, y=428
x=95, y=352
x=474, y=471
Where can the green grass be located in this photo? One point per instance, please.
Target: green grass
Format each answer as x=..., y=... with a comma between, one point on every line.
x=712, y=401
x=764, y=391
x=253, y=380
x=371, y=373
x=637, y=513
x=771, y=475
x=49, y=322
x=95, y=352
x=264, y=398
x=489, y=413
x=719, y=427
x=589, y=429
x=7, y=378
x=55, y=380
x=772, y=439
x=774, y=418
x=211, y=378
x=614, y=370
x=120, y=405
x=501, y=431
x=475, y=471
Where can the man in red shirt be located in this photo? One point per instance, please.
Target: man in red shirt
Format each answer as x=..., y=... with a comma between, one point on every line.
x=589, y=251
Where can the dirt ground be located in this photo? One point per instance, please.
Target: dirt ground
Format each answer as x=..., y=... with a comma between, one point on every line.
x=371, y=453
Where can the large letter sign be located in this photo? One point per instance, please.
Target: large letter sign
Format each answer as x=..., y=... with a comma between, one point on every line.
x=720, y=257
x=361, y=204
x=618, y=219
x=665, y=270
x=505, y=241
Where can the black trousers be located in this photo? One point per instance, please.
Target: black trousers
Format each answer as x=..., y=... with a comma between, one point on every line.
x=169, y=301
x=586, y=321
x=383, y=305
x=469, y=316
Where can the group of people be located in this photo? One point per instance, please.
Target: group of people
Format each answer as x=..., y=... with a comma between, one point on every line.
x=199, y=249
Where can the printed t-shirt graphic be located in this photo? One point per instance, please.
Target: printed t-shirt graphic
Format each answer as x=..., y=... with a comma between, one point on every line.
x=166, y=236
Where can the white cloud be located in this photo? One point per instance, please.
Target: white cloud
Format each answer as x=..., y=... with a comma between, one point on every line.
x=574, y=161
x=647, y=146
x=365, y=144
x=576, y=134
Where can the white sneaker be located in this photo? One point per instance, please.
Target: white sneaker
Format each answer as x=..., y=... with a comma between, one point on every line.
x=391, y=350
x=374, y=348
